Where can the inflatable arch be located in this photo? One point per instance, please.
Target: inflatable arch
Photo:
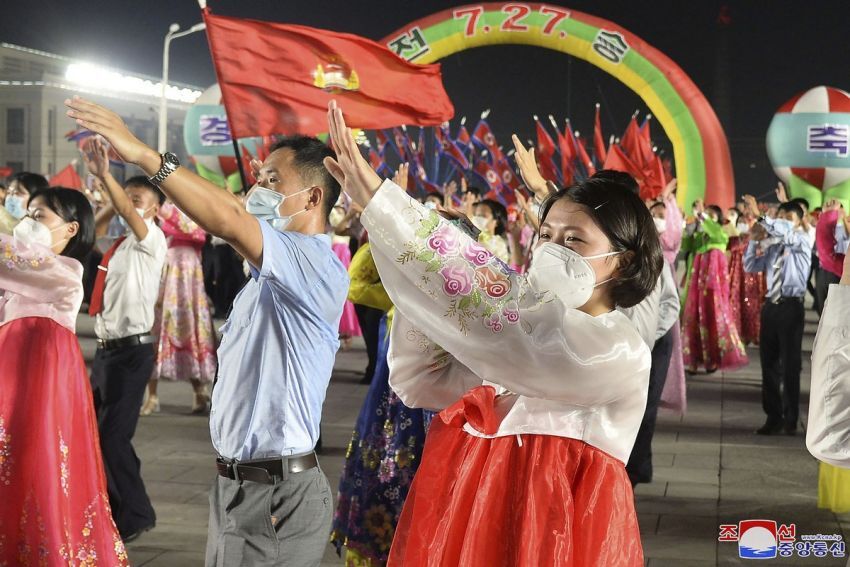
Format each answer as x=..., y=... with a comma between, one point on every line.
x=703, y=163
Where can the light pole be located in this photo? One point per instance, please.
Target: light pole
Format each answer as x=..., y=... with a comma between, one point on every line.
x=173, y=33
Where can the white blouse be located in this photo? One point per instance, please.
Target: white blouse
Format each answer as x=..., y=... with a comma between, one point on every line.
x=559, y=371
x=828, y=433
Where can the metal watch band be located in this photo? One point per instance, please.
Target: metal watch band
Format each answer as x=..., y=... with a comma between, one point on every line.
x=167, y=168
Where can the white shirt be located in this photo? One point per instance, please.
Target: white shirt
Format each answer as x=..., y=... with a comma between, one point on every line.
x=560, y=371
x=659, y=311
x=132, y=285
x=828, y=432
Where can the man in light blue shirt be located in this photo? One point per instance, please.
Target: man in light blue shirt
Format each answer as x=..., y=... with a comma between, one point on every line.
x=271, y=503
x=779, y=248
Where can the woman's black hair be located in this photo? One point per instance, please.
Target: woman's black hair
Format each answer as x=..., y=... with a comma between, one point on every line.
x=626, y=221
x=716, y=210
x=72, y=206
x=32, y=182
x=500, y=215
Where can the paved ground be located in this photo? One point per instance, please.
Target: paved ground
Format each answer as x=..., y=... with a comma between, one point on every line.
x=710, y=470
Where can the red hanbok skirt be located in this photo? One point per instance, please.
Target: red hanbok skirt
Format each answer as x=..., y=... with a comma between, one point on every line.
x=54, y=509
x=478, y=502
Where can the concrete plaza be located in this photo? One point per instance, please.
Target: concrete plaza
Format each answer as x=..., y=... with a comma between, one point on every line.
x=710, y=469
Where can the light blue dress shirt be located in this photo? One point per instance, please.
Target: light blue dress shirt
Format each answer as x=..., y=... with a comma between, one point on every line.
x=278, y=348
x=797, y=248
x=842, y=239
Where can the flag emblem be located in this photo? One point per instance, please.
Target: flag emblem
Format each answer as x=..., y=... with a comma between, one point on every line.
x=335, y=77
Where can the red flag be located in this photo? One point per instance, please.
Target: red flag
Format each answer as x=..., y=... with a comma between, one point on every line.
x=583, y=157
x=508, y=177
x=645, y=142
x=630, y=144
x=450, y=149
x=375, y=160
x=567, y=154
x=463, y=136
x=598, y=140
x=545, y=152
x=5, y=171
x=278, y=79
x=484, y=136
x=67, y=178
x=619, y=161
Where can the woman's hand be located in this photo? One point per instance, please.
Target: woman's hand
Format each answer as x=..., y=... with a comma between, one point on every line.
x=96, y=157
x=528, y=170
x=752, y=205
x=669, y=189
x=350, y=168
x=400, y=178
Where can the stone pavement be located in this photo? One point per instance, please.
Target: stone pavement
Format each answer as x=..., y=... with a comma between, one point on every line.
x=710, y=469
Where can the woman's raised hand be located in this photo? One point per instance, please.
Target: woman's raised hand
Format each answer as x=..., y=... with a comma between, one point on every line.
x=350, y=168
x=528, y=170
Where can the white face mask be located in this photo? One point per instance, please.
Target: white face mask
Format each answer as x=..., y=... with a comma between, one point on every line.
x=265, y=205
x=660, y=224
x=564, y=273
x=743, y=227
x=30, y=231
x=480, y=222
x=430, y=205
x=141, y=212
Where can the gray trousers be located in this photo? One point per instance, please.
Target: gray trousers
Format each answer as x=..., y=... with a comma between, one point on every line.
x=287, y=523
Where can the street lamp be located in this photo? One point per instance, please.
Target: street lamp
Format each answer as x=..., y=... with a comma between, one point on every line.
x=173, y=33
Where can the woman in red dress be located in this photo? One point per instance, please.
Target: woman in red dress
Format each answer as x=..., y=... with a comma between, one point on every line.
x=746, y=290
x=54, y=510
x=541, y=382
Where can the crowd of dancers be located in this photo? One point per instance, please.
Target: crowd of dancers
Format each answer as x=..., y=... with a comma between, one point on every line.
x=518, y=355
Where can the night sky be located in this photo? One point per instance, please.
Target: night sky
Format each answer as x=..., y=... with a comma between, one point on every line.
x=771, y=50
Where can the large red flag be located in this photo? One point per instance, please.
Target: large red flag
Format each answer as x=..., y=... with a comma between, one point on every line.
x=279, y=78
x=483, y=135
x=68, y=177
x=619, y=161
x=598, y=140
x=631, y=142
x=546, y=152
x=583, y=158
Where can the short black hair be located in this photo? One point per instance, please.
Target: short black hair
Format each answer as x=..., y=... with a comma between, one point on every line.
x=308, y=157
x=792, y=207
x=144, y=182
x=620, y=177
x=625, y=220
x=72, y=206
x=801, y=201
x=32, y=182
x=499, y=212
x=716, y=210
x=474, y=189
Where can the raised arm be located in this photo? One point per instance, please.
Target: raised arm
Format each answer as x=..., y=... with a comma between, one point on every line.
x=35, y=272
x=96, y=157
x=204, y=202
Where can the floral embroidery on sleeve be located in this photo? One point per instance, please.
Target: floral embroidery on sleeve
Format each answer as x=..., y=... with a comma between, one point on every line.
x=478, y=283
x=13, y=260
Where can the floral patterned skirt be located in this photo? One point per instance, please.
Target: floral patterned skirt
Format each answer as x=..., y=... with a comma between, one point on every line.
x=746, y=296
x=55, y=510
x=383, y=456
x=183, y=320
x=709, y=334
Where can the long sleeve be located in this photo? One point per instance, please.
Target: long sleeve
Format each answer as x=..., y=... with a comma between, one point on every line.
x=828, y=432
x=715, y=234
x=669, y=303
x=753, y=262
x=422, y=374
x=796, y=241
x=490, y=318
x=671, y=238
x=366, y=287
x=35, y=272
x=842, y=239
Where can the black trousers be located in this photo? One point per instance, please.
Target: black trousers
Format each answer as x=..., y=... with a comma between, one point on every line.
x=370, y=320
x=780, y=350
x=823, y=279
x=639, y=467
x=119, y=378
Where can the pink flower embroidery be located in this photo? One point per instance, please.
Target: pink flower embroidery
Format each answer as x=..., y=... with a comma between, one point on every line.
x=492, y=282
x=477, y=254
x=494, y=323
x=444, y=241
x=511, y=312
x=457, y=278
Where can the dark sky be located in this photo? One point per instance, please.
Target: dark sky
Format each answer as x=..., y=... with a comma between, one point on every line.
x=772, y=50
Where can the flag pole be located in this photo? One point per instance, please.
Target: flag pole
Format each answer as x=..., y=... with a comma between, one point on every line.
x=242, y=175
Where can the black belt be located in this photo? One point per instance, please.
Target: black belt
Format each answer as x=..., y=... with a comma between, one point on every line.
x=785, y=299
x=264, y=470
x=132, y=340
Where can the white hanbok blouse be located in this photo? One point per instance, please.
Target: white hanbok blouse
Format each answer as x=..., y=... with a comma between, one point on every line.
x=558, y=371
x=828, y=432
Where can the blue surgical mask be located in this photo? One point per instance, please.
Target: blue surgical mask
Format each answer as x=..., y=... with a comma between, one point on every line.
x=265, y=205
x=15, y=205
x=783, y=222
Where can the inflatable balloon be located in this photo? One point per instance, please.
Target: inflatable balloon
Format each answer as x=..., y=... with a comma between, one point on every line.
x=703, y=163
x=808, y=143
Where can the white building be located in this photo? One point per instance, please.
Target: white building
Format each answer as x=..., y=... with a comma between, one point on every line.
x=33, y=122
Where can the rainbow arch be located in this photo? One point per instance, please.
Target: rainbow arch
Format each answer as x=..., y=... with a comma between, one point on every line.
x=703, y=163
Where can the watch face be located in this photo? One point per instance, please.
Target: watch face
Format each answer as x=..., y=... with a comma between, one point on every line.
x=170, y=159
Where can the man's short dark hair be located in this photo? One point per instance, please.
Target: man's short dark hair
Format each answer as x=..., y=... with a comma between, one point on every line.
x=144, y=183
x=802, y=202
x=308, y=157
x=792, y=207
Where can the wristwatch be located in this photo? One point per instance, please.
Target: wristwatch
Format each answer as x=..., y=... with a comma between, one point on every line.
x=169, y=164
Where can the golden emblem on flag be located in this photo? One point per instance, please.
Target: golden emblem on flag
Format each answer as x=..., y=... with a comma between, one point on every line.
x=335, y=77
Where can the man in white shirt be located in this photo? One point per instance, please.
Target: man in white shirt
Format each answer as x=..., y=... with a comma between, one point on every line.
x=122, y=303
